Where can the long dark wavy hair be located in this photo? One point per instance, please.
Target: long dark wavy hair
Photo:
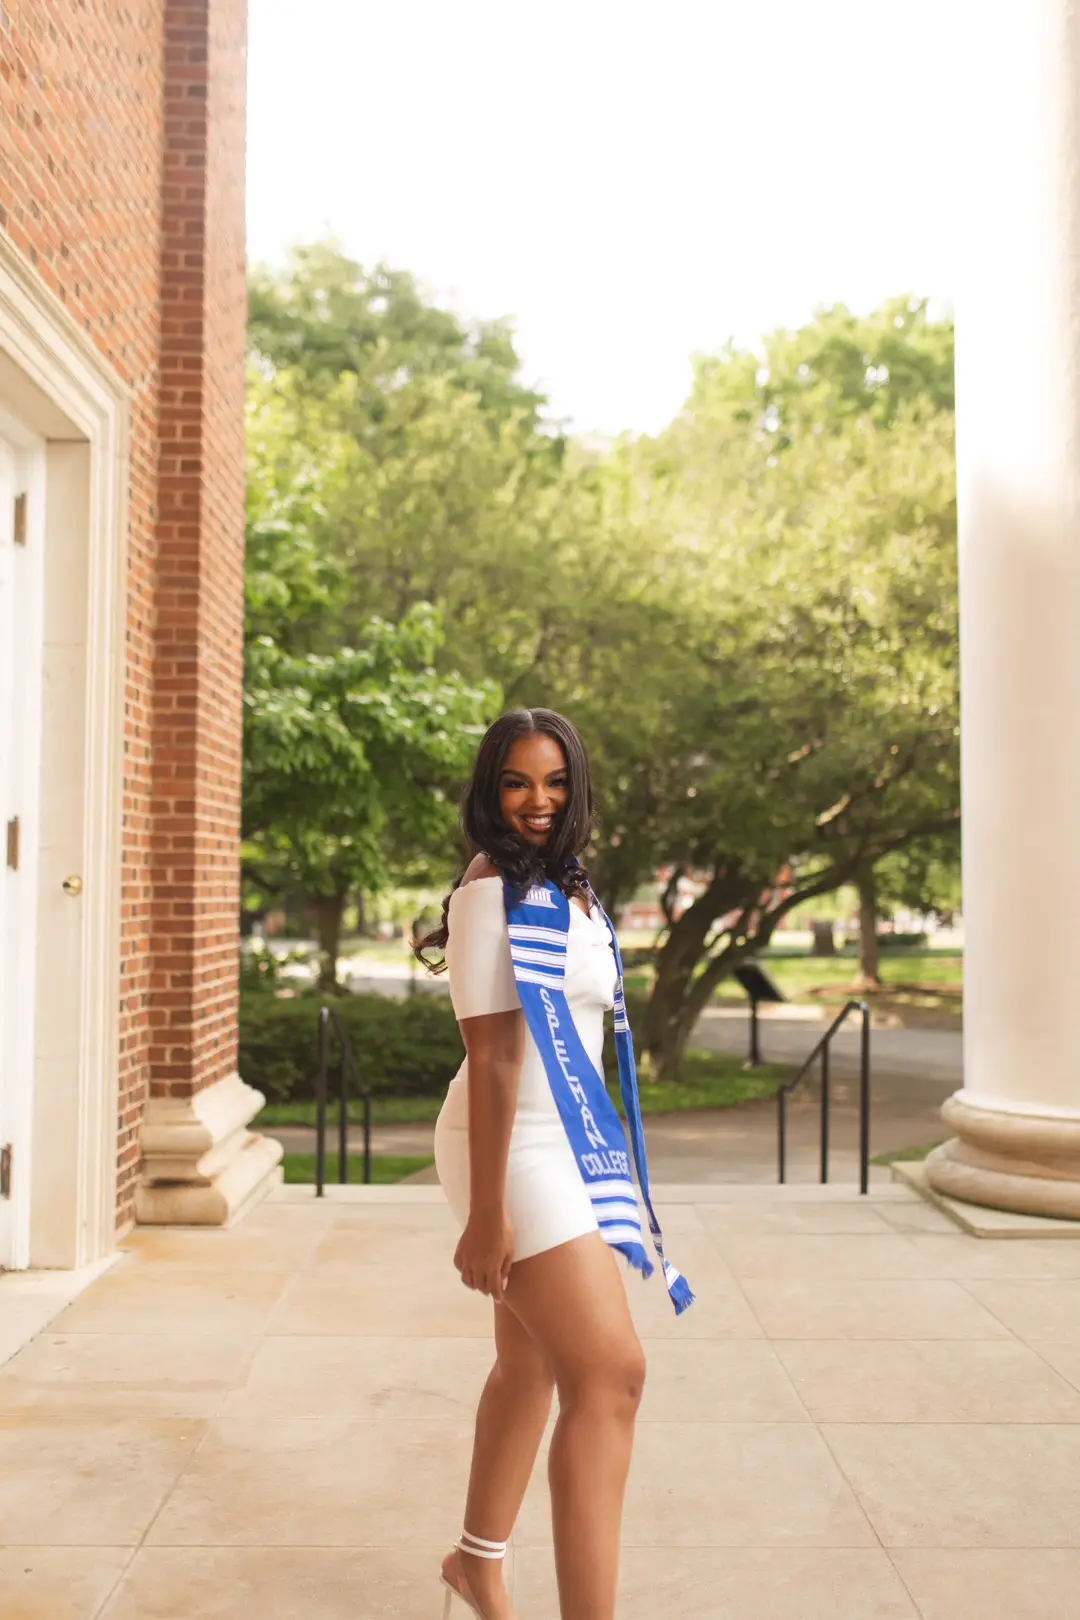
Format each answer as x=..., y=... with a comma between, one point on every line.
x=486, y=833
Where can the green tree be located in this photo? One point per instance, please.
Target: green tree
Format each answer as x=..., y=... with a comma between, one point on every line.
x=351, y=759
x=395, y=460
x=788, y=717
x=837, y=367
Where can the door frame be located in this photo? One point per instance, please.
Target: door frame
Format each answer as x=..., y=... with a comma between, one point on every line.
x=23, y=563
x=54, y=380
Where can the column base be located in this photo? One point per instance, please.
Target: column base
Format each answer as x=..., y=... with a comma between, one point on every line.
x=201, y=1165
x=1027, y=1163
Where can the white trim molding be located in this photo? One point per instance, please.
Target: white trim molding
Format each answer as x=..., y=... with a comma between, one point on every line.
x=54, y=379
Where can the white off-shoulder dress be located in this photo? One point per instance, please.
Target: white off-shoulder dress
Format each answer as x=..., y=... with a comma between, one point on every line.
x=546, y=1198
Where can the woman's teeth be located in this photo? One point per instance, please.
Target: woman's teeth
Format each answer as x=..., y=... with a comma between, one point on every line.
x=538, y=823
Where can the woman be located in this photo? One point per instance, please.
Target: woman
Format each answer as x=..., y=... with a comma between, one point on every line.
x=531, y=1156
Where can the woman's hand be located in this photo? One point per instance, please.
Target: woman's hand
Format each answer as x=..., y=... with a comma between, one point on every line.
x=486, y=1252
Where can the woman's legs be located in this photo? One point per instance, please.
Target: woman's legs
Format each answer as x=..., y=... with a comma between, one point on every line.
x=510, y=1422
x=574, y=1305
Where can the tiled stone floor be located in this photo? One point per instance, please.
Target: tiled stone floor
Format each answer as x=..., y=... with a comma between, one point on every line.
x=868, y=1416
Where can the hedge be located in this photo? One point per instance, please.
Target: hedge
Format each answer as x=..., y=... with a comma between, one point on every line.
x=403, y=1048
x=409, y=1048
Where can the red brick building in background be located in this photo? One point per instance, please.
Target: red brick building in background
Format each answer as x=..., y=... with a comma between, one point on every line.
x=122, y=330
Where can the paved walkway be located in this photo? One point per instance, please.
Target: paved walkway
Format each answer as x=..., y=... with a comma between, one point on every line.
x=868, y=1416
x=789, y=1034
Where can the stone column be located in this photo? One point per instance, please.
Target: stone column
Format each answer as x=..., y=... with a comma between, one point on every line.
x=1017, y=1119
x=200, y=1163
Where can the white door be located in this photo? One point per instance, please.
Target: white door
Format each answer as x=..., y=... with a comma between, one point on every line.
x=22, y=491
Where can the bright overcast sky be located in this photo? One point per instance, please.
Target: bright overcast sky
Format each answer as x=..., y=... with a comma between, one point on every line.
x=630, y=180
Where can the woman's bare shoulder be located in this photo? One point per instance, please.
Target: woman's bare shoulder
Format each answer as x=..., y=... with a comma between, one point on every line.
x=479, y=869
x=477, y=902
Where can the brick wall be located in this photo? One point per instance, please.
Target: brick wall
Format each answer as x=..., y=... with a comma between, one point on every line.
x=198, y=669
x=121, y=183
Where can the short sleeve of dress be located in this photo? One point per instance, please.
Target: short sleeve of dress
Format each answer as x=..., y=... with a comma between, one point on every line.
x=478, y=951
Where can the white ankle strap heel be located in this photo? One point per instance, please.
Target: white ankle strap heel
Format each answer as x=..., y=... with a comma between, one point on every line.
x=479, y=1548
x=476, y=1547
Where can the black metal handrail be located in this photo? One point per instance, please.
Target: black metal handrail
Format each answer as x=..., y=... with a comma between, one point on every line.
x=330, y=1023
x=822, y=1050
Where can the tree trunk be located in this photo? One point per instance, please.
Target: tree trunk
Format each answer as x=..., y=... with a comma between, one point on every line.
x=361, y=915
x=824, y=940
x=869, y=972
x=668, y=1027
x=680, y=994
x=611, y=900
x=677, y=997
x=329, y=909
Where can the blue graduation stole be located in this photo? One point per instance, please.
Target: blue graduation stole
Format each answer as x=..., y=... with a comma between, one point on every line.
x=539, y=925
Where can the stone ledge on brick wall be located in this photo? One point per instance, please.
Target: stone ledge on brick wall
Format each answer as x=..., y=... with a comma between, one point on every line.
x=201, y=1165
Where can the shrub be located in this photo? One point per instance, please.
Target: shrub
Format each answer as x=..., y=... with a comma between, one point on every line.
x=408, y=1048
x=403, y=1048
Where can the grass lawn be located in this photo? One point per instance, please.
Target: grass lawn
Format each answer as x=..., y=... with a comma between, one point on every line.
x=391, y=951
x=922, y=987
x=385, y=1168
x=385, y=1111
x=906, y=1155
x=712, y=1080
x=798, y=974
x=706, y=1080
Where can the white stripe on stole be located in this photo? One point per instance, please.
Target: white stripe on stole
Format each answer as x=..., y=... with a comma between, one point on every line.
x=550, y=959
x=554, y=981
x=533, y=935
x=614, y=1203
x=622, y=1234
x=555, y=961
x=625, y=1195
x=614, y=1187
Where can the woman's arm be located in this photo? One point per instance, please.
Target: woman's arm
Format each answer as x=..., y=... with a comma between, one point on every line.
x=495, y=1044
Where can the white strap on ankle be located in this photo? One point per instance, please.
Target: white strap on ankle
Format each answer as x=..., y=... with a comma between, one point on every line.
x=479, y=1548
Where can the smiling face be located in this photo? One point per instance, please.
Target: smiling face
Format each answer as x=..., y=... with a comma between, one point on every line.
x=534, y=785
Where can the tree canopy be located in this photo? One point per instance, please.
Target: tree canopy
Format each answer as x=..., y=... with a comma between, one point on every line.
x=325, y=318
x=751, y=616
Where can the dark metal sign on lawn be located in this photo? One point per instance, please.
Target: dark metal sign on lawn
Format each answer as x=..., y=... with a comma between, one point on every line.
x=759, y=987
